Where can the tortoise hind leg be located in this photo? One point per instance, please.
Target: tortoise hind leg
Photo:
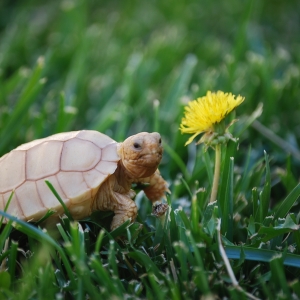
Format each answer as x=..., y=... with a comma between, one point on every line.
x=124, y=210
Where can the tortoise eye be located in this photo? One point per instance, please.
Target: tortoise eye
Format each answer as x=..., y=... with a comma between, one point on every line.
x=136, y=145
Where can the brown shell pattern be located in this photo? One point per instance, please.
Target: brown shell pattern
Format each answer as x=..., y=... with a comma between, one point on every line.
x=76, y=163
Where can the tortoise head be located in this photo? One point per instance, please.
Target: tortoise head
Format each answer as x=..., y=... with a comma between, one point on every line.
x=141, y=154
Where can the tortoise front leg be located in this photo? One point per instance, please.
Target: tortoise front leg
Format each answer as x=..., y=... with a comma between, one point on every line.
x=124, y=209
x=112, y=197
x=157, y=187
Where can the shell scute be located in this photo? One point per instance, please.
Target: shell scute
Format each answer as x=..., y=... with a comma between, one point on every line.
x=29, y=145
x=106, y=167
x=79, y=155
x=63, y=136
x=74, y=186
x=13, y=209
x=93, y=179
x=48, y=198
x=98, y=138
x=109, y=153
x=37, y=166
x=2, y=201
x=12, y=170
x=28, y=190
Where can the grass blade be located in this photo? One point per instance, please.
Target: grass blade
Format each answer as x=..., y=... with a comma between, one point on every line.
x=229, y=151
x=287, y=203
x=200, y=271
x=255, y=204
x=146, y=262
x=208, y=165
x=263, y=255
x=179, y=87
x=5, y=282
x=12, y=260
x=278, y=277
x=5, y=234
x=41, y=236
x=177, y=159
x=26, y=99
x=227, y=215
x=266, y=192
x=6, y=207
x=51, y=187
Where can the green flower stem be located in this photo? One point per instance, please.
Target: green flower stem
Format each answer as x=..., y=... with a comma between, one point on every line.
x=214, y=191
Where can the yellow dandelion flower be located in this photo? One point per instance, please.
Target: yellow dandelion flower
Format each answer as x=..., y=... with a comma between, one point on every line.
x=202, y=114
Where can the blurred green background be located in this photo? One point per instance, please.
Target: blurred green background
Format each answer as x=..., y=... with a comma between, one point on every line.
x=122, y=67
x=106, y=63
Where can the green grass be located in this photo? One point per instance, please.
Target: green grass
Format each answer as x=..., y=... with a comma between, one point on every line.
x=70, y=65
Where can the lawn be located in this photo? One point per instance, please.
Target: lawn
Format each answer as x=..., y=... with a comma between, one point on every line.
x=122, y=67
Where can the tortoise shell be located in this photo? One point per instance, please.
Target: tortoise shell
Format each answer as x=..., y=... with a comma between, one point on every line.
x=76, y=163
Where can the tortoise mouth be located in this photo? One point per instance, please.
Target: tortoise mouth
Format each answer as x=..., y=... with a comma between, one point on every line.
x=147, y=160
x=143, y=166
x=150, y=159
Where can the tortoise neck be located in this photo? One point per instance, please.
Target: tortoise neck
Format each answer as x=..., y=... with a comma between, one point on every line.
x=119, y=182
x=123, y=176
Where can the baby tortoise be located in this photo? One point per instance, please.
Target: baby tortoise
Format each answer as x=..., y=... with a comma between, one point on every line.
x=89, y=170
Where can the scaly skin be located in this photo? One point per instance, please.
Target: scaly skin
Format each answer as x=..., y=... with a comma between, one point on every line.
x=157, y=187
x=116, y=195
x=140, y=156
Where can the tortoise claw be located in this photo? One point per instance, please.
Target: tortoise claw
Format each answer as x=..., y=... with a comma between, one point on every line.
x=159, y=209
